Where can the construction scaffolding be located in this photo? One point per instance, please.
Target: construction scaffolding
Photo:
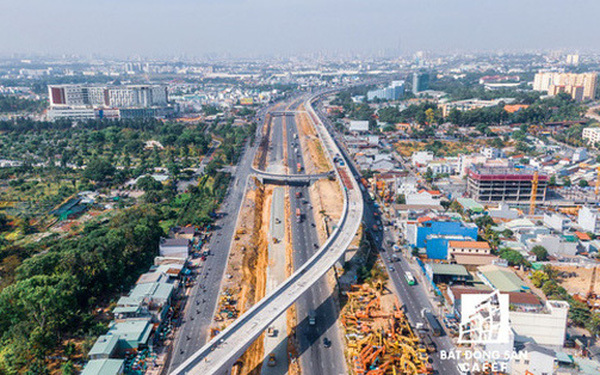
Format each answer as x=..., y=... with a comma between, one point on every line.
x=381, y=342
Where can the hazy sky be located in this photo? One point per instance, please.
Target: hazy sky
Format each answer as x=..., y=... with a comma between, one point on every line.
x=277, y=27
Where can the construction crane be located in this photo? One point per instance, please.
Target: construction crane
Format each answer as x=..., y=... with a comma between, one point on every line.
x=591, y=294
x=597, y=181
x=534, y=187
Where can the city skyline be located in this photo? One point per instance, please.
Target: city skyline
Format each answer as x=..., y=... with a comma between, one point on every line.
x=265, y=28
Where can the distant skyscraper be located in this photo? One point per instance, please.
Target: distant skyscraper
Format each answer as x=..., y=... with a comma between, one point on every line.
x=420, y=82
x=573, y=59
x=580, y=86
x=393, y=92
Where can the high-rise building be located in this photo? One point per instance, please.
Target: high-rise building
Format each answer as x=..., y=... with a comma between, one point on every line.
x=420, y=82
x=130, y=96
x=504, y=184
x=573, y=59
x=580, y=86
x=82, y=102
x=394, y=91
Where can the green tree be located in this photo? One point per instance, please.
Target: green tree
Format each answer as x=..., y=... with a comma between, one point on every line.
x=540, y=252
x=99, y=170
x=148, y=184
x=513, y=257
x=539, y=278
x=68, y=369
x=3, y=222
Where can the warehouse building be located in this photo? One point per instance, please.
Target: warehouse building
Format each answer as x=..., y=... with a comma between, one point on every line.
x=446, y=273
x=104, y=367
x=501, y=278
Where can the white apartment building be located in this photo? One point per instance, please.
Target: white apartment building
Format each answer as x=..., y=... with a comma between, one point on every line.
x=492, y=153
x=589, y=219
x=547, y=327
x=592, y=135
x=559, y=223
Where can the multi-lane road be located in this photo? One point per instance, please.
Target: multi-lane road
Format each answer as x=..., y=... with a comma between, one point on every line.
x=414, y=298
x=217, y=356
x=316, y=358
x=320, y=347
x=201, y=300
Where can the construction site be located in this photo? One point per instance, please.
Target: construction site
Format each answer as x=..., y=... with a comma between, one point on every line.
x=379, y=339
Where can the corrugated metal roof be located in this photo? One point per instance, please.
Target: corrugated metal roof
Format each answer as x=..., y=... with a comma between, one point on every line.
x=503, y=279
x=449, y=269
x=105, y=345
x=103, y=367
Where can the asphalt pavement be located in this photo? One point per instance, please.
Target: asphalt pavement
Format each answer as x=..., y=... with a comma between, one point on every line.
x=315, y=357
x=201, y=302
x=414, y=298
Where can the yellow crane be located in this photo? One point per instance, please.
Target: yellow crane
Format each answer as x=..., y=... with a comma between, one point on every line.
x=597, y=181
x=534, y=187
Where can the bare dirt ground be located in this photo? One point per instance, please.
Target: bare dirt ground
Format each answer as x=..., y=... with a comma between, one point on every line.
x=579, y=284
x=285, y=146
x=326, y=198
x=244, y=284
x=315, y=160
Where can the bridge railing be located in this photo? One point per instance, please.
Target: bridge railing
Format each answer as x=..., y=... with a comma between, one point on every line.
x=263, y=305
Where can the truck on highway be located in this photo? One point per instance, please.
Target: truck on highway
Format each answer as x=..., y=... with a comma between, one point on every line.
x=299, y=167
x=312, y=317
x=429, y=344
x=410, y=279
x=298, y=215
x=434, y=324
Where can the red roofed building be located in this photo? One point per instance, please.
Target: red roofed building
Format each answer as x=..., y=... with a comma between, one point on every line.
x=467, y=247
x=582, y=236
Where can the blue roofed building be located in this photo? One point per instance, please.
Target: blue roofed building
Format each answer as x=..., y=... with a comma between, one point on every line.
x=434, y=235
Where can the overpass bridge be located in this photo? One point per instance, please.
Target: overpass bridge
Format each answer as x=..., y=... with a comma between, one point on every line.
x=219, y=355
x=289, y=179
x=285, y=113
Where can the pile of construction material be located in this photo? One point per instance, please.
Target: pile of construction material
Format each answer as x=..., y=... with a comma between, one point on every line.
x=228, y=309
x=380, y=341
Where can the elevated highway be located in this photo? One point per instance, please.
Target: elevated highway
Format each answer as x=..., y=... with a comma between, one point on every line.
x=219, y=355
x=285, y=113
x=290, y=179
